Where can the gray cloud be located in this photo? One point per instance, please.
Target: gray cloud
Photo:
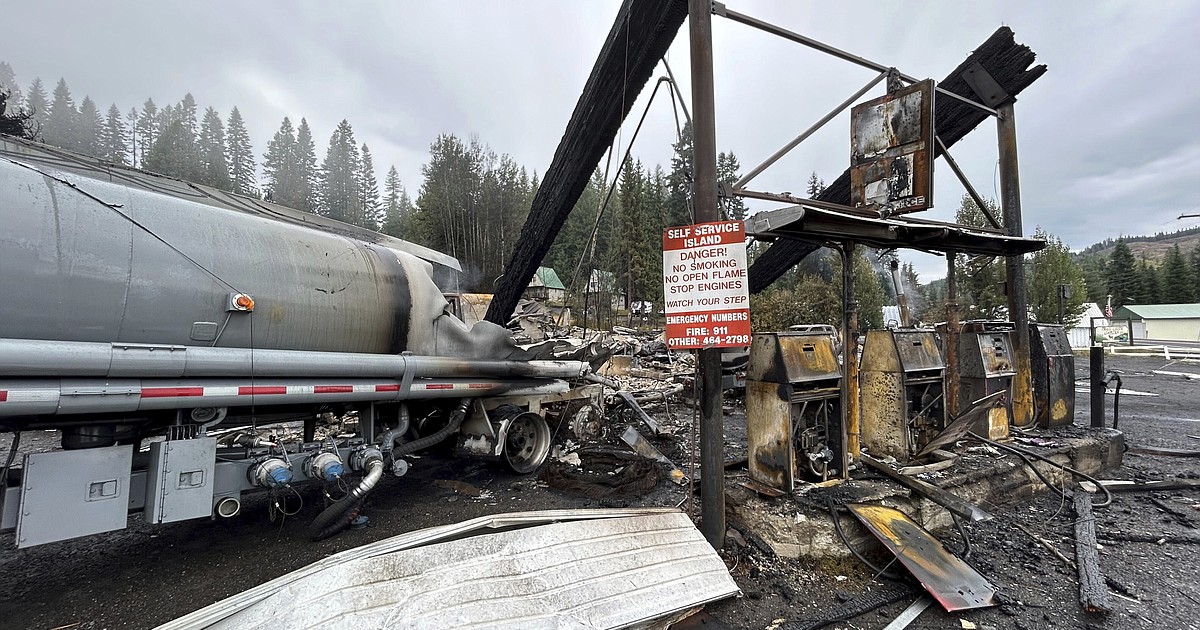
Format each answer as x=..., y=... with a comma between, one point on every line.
x=1109, y=138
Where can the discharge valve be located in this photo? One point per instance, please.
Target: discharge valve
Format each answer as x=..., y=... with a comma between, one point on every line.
x=325, y=466
x=270, y=472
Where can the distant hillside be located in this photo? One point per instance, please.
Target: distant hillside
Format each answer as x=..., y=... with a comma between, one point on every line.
x=1152, y=248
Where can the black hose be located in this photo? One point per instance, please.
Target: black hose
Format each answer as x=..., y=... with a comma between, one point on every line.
x=1116, y=396
x=338, y=516
x=1020, y=452
x=837, y=525
x=456, y=419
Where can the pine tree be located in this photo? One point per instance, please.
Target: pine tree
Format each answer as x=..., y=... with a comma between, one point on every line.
x=394, y=216
x=308, y=175
x=1175, y=279
x=241, y=155
x=1148, y=288
x=981, y=279
x=38, y=104
x=339, y=184
x=279, y=167
x=113, y=137
x=1053, y=266
x=368, y=190
x=1194, y=263
x=1122, y=276
x=733, y=208
x=679, y=204
x=62, y=119
x=146, y=130
x=186, y=113
x=175, y=152
x=131, y=125
x=8, y=83
x=815, y=186
x=212, y=151
x=89, y=128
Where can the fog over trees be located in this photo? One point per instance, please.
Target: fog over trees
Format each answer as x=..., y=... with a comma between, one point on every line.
x=473, y=200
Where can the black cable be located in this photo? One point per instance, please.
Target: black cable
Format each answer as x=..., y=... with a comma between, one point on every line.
x=837, y=525
x=1022, y=453
x=12, y=455
x=966, y=552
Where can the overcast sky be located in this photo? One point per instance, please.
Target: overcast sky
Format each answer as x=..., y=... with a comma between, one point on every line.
x=1109, y=138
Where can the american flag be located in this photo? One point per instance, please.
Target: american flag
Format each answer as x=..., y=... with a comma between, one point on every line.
x=1108, y=310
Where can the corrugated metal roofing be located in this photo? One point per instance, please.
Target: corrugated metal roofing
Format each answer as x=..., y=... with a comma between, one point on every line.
x=613, y=569
x=1158, y=311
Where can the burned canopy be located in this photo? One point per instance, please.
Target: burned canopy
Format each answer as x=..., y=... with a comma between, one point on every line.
x=1008, y=62
x=643, y=31
x=804, y=226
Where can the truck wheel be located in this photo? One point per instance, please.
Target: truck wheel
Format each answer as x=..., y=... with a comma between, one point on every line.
x=527, y=443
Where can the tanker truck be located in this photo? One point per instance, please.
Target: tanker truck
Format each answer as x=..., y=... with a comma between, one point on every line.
x=166, y=334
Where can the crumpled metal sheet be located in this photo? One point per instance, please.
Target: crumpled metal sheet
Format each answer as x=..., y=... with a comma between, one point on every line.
x=952, y=582
x=599, y=569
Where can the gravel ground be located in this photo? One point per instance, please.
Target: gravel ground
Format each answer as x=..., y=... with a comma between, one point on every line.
x=145, y=575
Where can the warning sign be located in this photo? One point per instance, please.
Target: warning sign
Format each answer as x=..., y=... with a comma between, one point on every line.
x=704, y=285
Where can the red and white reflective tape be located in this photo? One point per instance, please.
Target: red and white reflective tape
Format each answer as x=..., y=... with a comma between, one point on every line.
x=53, y=395
x=28, y=395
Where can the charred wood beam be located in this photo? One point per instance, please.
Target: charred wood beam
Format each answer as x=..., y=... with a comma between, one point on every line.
x=640, y=36
x=1093, y=595
x=1008, y=62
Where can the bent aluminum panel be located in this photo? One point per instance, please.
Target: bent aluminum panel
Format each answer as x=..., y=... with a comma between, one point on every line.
x=951, y=581
x=613, y=569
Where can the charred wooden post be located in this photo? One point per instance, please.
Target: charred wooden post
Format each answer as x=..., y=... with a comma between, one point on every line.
x=640, y=36
x=849, y=358
x=951, y=384
x=1093, y=594
x=1014, y=266
x=704, y=160
x=1008, y=63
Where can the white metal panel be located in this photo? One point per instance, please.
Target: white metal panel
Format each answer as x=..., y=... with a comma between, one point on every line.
x=181, y=480
x=68, y=494
x=597, y=573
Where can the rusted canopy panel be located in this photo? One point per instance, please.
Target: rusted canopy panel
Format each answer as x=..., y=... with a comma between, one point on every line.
x=820, y=226
x=640, y=36
x=1007, y=62
x=951, y=581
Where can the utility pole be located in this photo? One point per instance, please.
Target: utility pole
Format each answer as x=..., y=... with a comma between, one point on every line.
x=1018, y=305
x=704, y=198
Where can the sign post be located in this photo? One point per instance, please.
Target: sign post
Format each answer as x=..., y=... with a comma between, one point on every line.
x=705, y=286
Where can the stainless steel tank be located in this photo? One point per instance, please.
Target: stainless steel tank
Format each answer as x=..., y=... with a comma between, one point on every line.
x=96, y=253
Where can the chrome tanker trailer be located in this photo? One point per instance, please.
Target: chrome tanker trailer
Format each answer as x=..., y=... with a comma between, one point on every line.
x=167, y=331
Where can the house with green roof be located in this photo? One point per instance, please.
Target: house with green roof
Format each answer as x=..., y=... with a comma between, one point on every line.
x=1163, y=322
x=546, y=286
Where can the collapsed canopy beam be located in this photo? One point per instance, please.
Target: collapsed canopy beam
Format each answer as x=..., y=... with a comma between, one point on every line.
x=643, y=31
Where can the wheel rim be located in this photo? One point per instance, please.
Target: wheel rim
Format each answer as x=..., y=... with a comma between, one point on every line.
x=527, y=443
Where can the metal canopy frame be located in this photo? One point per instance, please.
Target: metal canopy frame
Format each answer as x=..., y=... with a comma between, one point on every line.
x=825, y=226
x=738, y=189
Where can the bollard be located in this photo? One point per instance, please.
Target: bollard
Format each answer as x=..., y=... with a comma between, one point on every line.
x=1097, y=385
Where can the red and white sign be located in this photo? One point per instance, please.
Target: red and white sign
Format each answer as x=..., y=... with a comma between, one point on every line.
x=705, y=285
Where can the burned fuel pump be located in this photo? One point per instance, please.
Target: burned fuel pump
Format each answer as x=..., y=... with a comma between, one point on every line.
x=986, y=366
x=902, y=383
x=794, y=424
x=1053, y=375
